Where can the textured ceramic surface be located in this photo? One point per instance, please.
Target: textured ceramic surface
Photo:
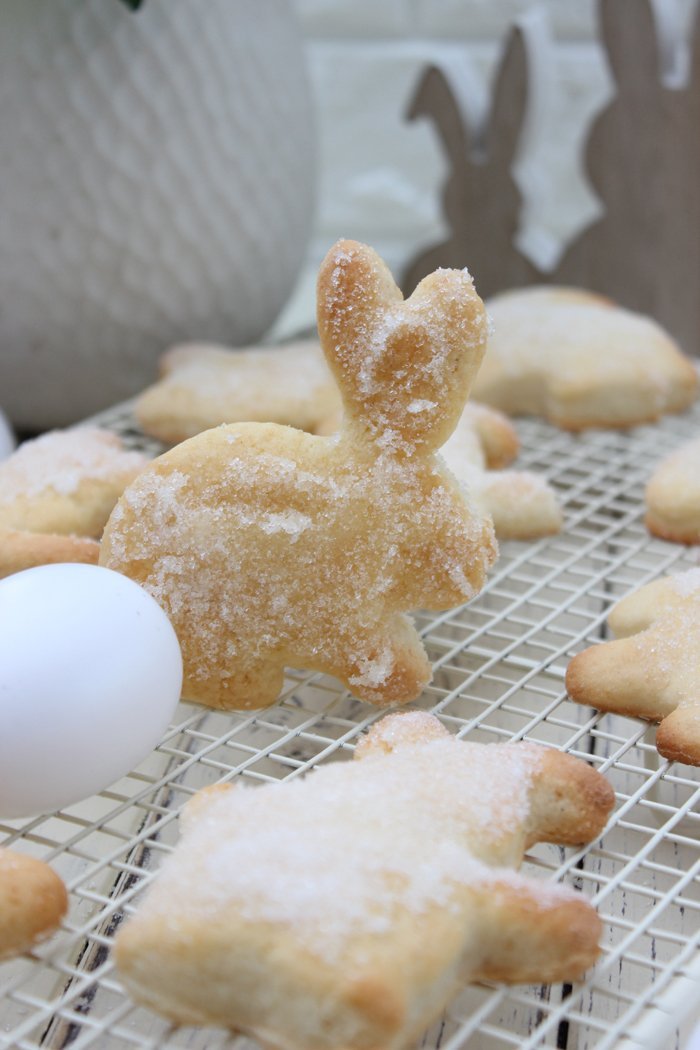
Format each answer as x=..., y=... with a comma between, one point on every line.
x=157, y=186
x=7, y=438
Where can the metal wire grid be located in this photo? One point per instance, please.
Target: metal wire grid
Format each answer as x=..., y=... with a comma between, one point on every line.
x=499, y=665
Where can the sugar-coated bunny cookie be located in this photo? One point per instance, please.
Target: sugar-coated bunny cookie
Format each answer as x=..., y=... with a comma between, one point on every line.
x=267, y=546
x=652, y=669
x=56, y=493
x=580, y=361
x=344, y=909
x=33, y=901
x=523, y=506
x=203, y=385
x=673, y=496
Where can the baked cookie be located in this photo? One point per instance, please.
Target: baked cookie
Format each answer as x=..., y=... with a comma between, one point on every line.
x=56, y=493
x=522, y=504
x=202, y=386
x=673, y=496
x=652, y=669
x=33, y=901
x=270, y=547
x=580, y=361
x=24, y=550
x=344, y=909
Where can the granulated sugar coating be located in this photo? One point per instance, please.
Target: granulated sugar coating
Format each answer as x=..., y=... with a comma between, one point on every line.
x=270, y=547
x=65, y=481
x=61, y=460
x=204, y=385
x=342, y=909
x=580, y=361
x=688, y=583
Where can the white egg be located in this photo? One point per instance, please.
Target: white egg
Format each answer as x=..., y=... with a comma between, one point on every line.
x=90, y=675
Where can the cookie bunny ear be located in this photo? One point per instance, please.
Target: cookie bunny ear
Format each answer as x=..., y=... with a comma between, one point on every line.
x=404, y=368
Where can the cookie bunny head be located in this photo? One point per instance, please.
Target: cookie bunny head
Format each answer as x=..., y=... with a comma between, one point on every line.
x=404, y=368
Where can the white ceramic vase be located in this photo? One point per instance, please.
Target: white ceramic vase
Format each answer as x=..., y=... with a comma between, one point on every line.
x=157, y=185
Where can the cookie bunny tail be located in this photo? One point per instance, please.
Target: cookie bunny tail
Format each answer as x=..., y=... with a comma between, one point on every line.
x=404, y=368
x=536, y=932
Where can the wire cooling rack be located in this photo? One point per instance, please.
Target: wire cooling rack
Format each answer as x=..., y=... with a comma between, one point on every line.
x=499, y=665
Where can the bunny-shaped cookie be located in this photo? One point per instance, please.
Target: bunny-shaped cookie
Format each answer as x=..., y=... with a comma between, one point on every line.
x=33, y=901
x=652, y=668
x=269, y=547
x=345, y=908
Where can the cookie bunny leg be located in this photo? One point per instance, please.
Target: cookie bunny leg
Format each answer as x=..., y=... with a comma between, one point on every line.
x=253, y=686
x=552, y=937
x=387, y=665
x=533, y=936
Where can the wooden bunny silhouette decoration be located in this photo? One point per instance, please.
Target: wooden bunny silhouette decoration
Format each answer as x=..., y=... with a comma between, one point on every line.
x=270, y=547
x=643, y=158
x=481, y=200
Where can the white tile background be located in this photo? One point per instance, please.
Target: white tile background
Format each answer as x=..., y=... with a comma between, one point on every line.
x=380, y=176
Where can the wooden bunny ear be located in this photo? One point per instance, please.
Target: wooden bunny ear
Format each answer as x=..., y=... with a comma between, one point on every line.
x=509, y=105
x=437, y=96
x=629, y=34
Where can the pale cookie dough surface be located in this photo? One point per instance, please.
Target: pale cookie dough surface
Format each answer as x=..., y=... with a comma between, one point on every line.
x=56, y=493
x=66, y=481
x=579, y=361
x=343, y=910
x=522, y=504
x=33, y=901
x=652, y=669
x=270, y=547
x=202, y=386
x=673, y=496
